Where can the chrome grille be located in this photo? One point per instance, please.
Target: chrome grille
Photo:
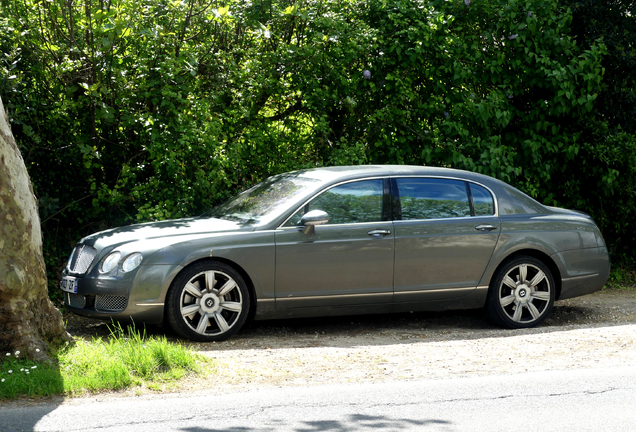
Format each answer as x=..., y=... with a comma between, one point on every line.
x=82, y=259
x=110, y=303
x=75, y=300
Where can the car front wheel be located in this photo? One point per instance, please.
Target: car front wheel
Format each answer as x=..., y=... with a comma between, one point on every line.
x=521, y=294
x=208, y=302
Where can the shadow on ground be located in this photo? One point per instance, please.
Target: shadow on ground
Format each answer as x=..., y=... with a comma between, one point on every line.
x=605, y=308
x=356, y=422
x=24, y=414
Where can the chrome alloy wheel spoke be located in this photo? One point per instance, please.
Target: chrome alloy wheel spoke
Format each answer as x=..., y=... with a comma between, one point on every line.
x=523, y=272
x=210, y=280
x=541, y=295
x=203, y=323
x=518, y=312
x=220, y=321
x=505, y=301
x=190, y=310
x=193, y=290
x=232, y=306
x=537, y=279
x=533, y=311
x=509, y=282
x=229, y=286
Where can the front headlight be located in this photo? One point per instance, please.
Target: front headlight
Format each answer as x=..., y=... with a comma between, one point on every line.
x=110, y=262
x=132, y=261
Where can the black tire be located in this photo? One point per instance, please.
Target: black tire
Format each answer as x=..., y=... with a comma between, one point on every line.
x=208, y=302
x=521, y=293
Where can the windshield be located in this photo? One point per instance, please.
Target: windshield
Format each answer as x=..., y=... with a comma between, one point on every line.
x=265, y=200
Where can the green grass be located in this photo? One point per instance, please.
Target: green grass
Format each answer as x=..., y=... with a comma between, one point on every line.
x=127, y=358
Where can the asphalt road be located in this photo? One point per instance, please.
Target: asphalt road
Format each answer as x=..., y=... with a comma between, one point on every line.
x=579, y=400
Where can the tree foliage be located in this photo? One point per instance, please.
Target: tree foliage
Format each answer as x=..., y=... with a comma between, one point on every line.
x=605, y=181
x=151, y=109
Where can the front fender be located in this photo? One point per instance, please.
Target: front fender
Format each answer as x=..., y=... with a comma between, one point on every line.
x=253, y=251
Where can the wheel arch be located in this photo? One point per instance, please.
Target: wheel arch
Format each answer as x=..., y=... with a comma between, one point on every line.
x=541, y=256
x=235, y=266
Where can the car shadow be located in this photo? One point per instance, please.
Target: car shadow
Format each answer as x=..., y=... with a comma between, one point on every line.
x=360, y=330
x=404, y=328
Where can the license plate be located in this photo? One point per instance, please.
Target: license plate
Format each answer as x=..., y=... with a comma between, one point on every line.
x=69, y=284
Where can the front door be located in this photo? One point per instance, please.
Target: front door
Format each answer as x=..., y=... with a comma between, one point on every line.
x=348, y=261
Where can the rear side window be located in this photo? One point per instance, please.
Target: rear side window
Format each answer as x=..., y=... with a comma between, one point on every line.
x=482, y=200
x=431, y=198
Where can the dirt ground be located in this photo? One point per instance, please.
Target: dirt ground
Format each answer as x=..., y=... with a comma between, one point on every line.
x=597, y=330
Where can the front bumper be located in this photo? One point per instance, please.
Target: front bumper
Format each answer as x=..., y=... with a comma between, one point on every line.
x=138, y=295
x=150, y=313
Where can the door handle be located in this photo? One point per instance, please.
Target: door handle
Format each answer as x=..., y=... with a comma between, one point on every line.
x=379, y=233
x=485, y=227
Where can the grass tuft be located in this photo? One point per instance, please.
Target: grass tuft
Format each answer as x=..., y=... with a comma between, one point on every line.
x=125, y=359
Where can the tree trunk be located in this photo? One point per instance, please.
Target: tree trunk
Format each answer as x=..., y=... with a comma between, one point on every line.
x=29, y=322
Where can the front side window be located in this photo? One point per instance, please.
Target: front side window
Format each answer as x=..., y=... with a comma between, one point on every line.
x=354, y=202
x=431, y=198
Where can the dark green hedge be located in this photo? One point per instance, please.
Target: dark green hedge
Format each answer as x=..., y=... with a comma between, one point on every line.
x=140, y=110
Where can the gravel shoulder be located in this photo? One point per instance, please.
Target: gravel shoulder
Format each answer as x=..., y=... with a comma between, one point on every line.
x=597, y=330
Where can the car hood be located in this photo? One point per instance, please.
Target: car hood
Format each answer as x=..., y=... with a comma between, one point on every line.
x=164, y=229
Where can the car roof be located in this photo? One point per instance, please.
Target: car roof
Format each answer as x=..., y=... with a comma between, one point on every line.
x=340, y=173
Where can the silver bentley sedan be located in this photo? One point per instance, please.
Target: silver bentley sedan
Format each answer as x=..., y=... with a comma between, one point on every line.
x=342, y=241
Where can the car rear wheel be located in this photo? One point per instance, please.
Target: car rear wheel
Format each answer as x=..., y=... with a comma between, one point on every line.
x=208, y=302
x=521, y=294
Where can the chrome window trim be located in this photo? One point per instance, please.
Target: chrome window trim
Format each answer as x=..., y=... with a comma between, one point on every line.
x=389, y=176
x=494, y=196
x=457, y=218
x=338, y=225
x=325, y=190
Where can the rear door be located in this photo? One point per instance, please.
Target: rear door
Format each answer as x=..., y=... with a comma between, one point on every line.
x=445, y=233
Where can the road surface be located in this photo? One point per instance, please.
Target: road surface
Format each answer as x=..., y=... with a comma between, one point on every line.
x=579, y=400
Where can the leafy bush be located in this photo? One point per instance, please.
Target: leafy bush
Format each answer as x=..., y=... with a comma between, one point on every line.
x=130, y=111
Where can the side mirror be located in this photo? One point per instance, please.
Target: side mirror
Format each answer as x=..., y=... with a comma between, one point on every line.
x=313, y=218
